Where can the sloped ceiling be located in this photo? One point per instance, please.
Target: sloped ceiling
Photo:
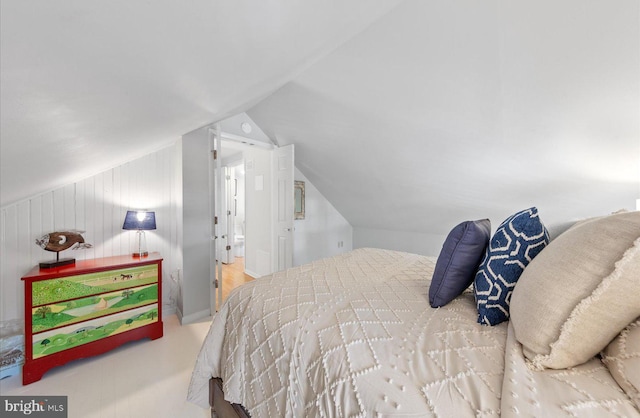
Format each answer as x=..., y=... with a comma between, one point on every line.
x=451, y=110
x=87, y=85
x=407, y=115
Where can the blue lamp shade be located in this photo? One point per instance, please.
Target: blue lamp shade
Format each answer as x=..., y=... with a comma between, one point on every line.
x=139, y=220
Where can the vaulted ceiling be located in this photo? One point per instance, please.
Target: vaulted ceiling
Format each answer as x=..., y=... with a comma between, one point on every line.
x=406, y=115
x=87, y=85
x=451, y=110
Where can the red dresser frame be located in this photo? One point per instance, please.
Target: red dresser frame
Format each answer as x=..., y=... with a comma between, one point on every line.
x=34, y=369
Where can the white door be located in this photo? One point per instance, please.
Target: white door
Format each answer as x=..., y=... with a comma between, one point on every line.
x=216, y=189
x=225, y=243
x=283, y=238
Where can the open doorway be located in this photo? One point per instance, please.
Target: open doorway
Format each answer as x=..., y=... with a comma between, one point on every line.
x=232, y=218
x=232, y=250
x=267, y=226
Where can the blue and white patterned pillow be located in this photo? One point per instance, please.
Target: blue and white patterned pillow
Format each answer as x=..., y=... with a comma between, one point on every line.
x=515, y=243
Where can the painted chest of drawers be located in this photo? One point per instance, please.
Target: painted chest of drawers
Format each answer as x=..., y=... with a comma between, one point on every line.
x=89, y=308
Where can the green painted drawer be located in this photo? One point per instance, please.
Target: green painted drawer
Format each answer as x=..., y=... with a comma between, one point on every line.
x=60, y=339
x=61, y=314
x=48, y=292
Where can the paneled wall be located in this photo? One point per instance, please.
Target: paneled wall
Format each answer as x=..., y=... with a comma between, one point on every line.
x=96, y=205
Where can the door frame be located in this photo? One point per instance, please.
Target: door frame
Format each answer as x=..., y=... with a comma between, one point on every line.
x=217, y=179
x=215, y=186
x=226, y=219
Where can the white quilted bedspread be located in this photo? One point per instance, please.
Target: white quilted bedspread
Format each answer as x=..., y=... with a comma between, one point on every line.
x=587, y=390
x=352, y=336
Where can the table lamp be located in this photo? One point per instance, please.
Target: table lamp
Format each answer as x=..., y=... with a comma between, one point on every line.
x=140, y=221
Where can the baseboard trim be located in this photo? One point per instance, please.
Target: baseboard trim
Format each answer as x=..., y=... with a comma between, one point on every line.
x=169, y=310
x=252, y=274
x=184, y=320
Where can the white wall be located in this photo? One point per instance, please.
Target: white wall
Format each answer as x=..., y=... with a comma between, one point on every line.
x=412, y=242
x=96, y=205
x=258, y=234
x=195, y=298
x=319, y=234
x=431, y=244
x=238, y=175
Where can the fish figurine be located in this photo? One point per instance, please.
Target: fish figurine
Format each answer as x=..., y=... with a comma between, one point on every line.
x=62, y=240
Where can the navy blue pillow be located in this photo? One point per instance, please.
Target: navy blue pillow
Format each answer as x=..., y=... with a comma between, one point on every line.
x=515, y=243
x=458, y=261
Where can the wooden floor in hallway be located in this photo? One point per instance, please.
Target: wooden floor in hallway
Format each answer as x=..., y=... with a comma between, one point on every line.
x=233, y=275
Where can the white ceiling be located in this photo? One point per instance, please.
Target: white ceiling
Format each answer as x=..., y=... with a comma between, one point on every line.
x=407, y=115
x=450, y=110
x=87, y=85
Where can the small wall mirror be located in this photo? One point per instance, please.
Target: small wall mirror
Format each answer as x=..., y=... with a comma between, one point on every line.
x=298, y=188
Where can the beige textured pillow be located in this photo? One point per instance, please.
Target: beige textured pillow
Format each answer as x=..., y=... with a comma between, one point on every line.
x=585, y=220
x=622, y=357
x=579, y=292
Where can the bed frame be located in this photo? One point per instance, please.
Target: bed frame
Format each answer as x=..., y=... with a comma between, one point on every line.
x=220, y=408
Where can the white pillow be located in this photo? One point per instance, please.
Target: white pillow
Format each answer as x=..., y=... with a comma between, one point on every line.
x=579, y=292
x=622, y=357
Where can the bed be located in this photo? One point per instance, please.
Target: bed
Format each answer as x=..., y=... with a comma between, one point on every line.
x=356, y=335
